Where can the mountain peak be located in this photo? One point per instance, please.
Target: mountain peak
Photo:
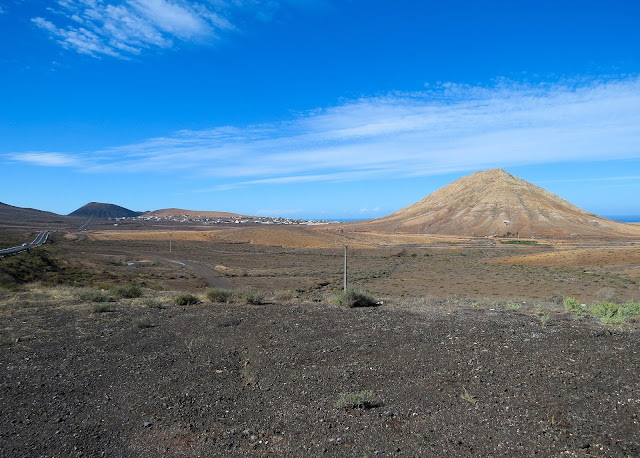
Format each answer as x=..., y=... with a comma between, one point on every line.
x=103, y=210
x=494, y=203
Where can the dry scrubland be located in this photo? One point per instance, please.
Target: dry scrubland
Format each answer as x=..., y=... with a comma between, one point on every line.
x=236, y=344
x=396, y=265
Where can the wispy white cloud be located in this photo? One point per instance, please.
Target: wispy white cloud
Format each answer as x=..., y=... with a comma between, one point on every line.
x=123, y=28
x=448, y=128
x=45, y=159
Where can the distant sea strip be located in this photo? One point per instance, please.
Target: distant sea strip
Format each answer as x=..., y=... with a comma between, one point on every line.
x=625, y=218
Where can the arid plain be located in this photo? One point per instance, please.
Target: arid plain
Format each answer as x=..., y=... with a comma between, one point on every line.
x=485, y=345
x=311, y=261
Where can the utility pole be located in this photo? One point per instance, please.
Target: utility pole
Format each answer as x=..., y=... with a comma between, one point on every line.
x=346, y=247
x=170, y=234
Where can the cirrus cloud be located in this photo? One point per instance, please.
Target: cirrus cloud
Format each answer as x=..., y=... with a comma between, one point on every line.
x=125, y=28
x=46, y=159
x=448, y=128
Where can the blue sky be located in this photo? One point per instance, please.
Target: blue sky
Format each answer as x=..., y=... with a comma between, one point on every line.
x=315, y=108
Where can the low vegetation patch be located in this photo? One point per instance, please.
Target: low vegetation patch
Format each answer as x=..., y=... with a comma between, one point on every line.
x=612, y=313
x=143, y=322
x=285, y=295
x=34, y=265
x=101, y=307
x=247, y=296
x=152, y=303
x=126, y=291
x=519, y=242
x=468, y=397
x=513, y=306
x=94, y=295
x=356, y=400
x=608, y=312
x=574, y=307
x=354, y=298
x=220, y=296
x=187, y=299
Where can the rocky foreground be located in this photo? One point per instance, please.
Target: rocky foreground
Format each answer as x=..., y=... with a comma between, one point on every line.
x=148, y=378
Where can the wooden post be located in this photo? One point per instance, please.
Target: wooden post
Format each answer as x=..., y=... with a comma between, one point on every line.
x=346, y=246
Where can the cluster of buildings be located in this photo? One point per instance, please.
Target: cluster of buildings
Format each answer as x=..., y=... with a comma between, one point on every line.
x=228, y=220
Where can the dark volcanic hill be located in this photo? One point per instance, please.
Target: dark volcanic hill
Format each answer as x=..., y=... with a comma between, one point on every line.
x=100, y=210
x=494, y=202
x=9, y=212
x=11, y=216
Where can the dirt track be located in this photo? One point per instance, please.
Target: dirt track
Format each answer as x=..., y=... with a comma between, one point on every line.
x=218, y=380
x=209, y=275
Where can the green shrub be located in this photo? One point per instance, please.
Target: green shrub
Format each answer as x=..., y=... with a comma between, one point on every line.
x=631, y=310
x=126, y=291
x=101, y=307
x=356, y=400
x=605, y=310
x=220, y=296
x=152, y=303
x=572, y=306
x=354, y=298
x=249, y=296
x=95, y=296
x=468, y=397
x=612, y=313
x=142, y=322
x=514, y=306
x=187, y=299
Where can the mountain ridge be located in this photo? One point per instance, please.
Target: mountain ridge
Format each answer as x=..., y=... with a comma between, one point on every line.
x=496, y=203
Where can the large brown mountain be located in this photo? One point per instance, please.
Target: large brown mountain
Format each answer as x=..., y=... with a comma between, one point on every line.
x=494, y=202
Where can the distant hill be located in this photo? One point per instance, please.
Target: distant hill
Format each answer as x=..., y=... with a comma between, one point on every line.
x=11, y=216
x=180, y=212
x=494, y=202
x=101, y=210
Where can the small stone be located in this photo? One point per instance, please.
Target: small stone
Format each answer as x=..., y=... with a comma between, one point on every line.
x=147, y=424
x=253, y=437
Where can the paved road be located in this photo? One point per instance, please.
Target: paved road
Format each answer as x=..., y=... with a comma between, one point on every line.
x=40, y=239
x=84, y=225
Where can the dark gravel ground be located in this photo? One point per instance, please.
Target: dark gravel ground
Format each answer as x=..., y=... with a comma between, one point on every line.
x=229, y=380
